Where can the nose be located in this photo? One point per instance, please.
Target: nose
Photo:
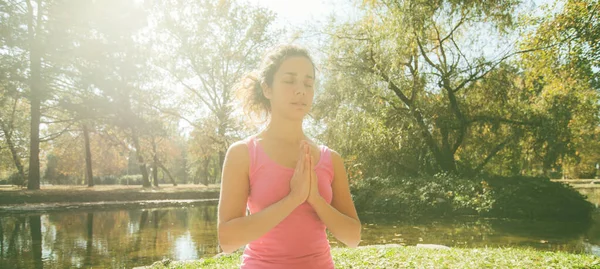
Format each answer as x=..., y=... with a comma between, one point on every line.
x=300, y=90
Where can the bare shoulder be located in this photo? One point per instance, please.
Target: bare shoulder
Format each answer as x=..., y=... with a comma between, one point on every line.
x=237, y=154
x=336, y=158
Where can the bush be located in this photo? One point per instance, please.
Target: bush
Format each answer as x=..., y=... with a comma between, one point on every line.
x=16, y=179
x=444, y=195
x=105, y=180
x=537, y=198
x=439, y=195
x=130, y=179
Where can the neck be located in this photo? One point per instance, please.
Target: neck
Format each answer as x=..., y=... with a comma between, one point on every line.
x=283, y=129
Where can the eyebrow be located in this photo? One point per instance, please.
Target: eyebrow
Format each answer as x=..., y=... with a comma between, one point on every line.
x=294, y=74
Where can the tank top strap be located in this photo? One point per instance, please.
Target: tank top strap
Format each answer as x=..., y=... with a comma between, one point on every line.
x=251, y=143
x=326, y=161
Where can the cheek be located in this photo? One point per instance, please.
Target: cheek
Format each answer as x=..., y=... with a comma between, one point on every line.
x=282, y=91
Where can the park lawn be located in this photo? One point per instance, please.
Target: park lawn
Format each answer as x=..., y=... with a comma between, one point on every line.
x=10, y=195
x=414, y=257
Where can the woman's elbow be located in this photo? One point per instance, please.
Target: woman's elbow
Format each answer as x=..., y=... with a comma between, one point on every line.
x=225, y=241
x=226, y=246
x=355, y=239
x=353, y=243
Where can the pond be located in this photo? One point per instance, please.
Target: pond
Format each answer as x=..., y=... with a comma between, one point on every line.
x=124, y=238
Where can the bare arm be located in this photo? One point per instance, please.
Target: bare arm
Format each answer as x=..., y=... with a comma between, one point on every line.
x=340, y=217
x=235, y=229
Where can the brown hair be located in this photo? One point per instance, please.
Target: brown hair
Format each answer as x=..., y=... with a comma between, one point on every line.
x=250, y=89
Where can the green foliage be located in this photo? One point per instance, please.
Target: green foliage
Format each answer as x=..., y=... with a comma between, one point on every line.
x=439, y=195
x=537, y=198
x=106, y=180
x=15, y=179
x=491, y=196
x=409, y=93
x=130, y=180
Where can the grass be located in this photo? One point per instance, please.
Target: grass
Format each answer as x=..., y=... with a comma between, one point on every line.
x=10, y=195
x=414, y=257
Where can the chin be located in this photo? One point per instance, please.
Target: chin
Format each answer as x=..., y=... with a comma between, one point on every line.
x=296, y=116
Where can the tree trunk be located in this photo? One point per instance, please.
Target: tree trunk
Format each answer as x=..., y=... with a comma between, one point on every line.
x=168, y=173
x=140, y=158
x=13, y=150
x=89, y=176
x=221, y=132
x=444, y=159
x=35, y=80
x=184, y=175
x=154, y=163
x=205, y=173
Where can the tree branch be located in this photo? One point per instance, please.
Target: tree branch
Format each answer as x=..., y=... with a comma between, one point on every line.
x=482, y=118
x=424, y=53
x=55, y=135
x=493, y=153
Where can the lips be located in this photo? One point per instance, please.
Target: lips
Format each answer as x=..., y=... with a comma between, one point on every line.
x=299, y=104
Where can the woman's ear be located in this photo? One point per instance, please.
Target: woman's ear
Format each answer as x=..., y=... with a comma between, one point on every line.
x=267, y=92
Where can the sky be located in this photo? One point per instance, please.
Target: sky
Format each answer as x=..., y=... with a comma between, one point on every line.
x=300, y=12
x=312, y=14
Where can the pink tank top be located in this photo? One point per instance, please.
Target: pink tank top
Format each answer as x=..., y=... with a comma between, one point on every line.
x=299, y=241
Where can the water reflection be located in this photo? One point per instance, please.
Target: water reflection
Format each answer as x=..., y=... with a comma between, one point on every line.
x=35, y=226
x=107, y=239
x=134, y=237
x=465, y=232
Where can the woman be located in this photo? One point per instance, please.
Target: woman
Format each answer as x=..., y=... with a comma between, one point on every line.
x=293, y=188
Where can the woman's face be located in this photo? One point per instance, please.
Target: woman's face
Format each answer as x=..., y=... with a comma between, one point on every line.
x=292, y=91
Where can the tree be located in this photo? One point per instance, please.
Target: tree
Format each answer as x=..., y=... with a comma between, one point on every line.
x=565, y=78
x=25, y=47
x=412, y=60
x=12, y=111
x=34, y=31
x=206, y=47
x=411, y=89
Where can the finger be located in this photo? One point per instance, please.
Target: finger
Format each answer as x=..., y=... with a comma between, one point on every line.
x=300, y=158
x=313, y=175
x=307, y=164
x=298, y=165
x=302, y=163
x=300, y=151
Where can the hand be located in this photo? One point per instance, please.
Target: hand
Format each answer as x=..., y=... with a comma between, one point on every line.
x=300, y=182
x=314, y=194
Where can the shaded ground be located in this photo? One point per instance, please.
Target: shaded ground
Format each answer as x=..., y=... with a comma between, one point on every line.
x=10, y=195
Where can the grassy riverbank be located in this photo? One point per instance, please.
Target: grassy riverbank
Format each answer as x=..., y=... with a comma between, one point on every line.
x=414, y=257
x=10, y=195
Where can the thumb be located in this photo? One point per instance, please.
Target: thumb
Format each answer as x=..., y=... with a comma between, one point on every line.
x=313, y=176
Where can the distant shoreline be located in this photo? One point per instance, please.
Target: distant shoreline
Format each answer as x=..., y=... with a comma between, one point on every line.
x=50, y=197
x=37, y=208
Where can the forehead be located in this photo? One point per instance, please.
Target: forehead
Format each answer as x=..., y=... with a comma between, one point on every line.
x=299, y=65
